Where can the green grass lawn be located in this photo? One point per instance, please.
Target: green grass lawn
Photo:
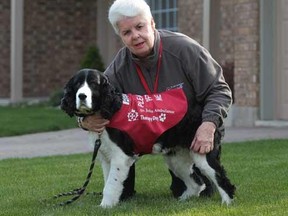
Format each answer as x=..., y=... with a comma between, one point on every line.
x=258, y=169
x=18, y=120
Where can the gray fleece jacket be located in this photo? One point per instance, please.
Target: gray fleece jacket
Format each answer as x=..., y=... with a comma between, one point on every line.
x=185, y=63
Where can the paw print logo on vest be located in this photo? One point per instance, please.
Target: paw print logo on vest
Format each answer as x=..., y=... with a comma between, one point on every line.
x=132, y=115
x=162, y=117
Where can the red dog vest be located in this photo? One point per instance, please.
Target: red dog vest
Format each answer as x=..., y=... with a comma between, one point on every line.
x=145, y=117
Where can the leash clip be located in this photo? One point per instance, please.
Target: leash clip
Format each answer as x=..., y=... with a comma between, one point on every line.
x=98, y=140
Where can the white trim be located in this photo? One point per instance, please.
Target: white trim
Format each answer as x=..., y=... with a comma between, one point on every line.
x=106, y=37
x=281, y=60
x=267, y=59
x=4, y=102
x=16, y=58
x=206, y=23
x=275, y=123
x=244, y=116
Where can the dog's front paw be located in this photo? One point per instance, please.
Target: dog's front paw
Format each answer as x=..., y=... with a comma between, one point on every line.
x=106, y=203
x=226, y=199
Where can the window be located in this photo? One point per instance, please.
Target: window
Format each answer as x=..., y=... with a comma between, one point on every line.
x=164, y=13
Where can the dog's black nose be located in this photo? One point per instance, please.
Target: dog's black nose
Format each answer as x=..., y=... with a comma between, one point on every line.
x=82, y=96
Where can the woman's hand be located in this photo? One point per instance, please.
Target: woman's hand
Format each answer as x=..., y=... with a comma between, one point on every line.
x=203, y=141
x=94, y=123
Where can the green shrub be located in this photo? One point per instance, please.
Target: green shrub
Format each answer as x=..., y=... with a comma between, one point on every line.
x=55, y=98
x=93, y=59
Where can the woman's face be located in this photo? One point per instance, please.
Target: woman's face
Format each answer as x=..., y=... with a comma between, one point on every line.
x=137, y=33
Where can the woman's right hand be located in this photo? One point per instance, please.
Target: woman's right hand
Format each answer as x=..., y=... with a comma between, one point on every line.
x=95, y=123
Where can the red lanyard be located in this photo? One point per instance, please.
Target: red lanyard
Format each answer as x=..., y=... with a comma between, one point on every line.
x=142, y=78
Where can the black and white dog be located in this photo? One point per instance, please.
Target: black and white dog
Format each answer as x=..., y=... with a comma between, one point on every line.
x=89, y=91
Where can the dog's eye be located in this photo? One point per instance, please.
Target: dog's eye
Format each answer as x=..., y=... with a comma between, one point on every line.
x=93, y=85
x=77, y=85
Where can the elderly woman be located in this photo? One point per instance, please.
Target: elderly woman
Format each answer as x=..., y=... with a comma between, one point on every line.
x=157, y=60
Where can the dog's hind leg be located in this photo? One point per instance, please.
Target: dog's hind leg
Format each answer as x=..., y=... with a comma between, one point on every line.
x=210, y=167
x=180, y=165
x=177, y=185
x=119, y=169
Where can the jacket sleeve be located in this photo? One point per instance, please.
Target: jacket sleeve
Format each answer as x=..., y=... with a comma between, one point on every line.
x=210, y=87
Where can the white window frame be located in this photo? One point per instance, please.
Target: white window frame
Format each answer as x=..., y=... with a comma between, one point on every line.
x=161, y=11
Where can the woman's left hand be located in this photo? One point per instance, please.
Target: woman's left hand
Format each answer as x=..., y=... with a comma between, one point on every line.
x=203, y=141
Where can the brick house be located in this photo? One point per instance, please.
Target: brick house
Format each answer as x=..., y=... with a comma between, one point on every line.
x=42, y=43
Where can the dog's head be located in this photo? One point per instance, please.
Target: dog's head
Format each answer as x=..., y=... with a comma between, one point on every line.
x=88, y=92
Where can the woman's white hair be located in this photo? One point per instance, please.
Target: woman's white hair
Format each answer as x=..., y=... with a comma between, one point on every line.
x=127, y=8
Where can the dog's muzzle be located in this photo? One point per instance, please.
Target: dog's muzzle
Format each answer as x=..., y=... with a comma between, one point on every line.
x=84, y=98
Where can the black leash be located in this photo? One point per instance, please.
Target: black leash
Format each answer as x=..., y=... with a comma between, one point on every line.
x=80, y=191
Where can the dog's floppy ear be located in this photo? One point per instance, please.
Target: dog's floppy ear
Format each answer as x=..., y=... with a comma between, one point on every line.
x=111, y=100
x=68, y=102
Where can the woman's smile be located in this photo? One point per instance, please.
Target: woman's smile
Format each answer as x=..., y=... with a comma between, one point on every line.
x=139, y=45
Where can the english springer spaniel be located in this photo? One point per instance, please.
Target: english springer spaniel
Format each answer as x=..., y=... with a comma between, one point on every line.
x=89, y=92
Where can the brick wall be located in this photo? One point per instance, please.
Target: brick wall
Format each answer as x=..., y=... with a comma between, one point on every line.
x=4, y=48
x=57, y=34
x=226, y=41
x=246, y=53
x=226, y=34
x=238, y=42
x=56, y=37
x=190, y=18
